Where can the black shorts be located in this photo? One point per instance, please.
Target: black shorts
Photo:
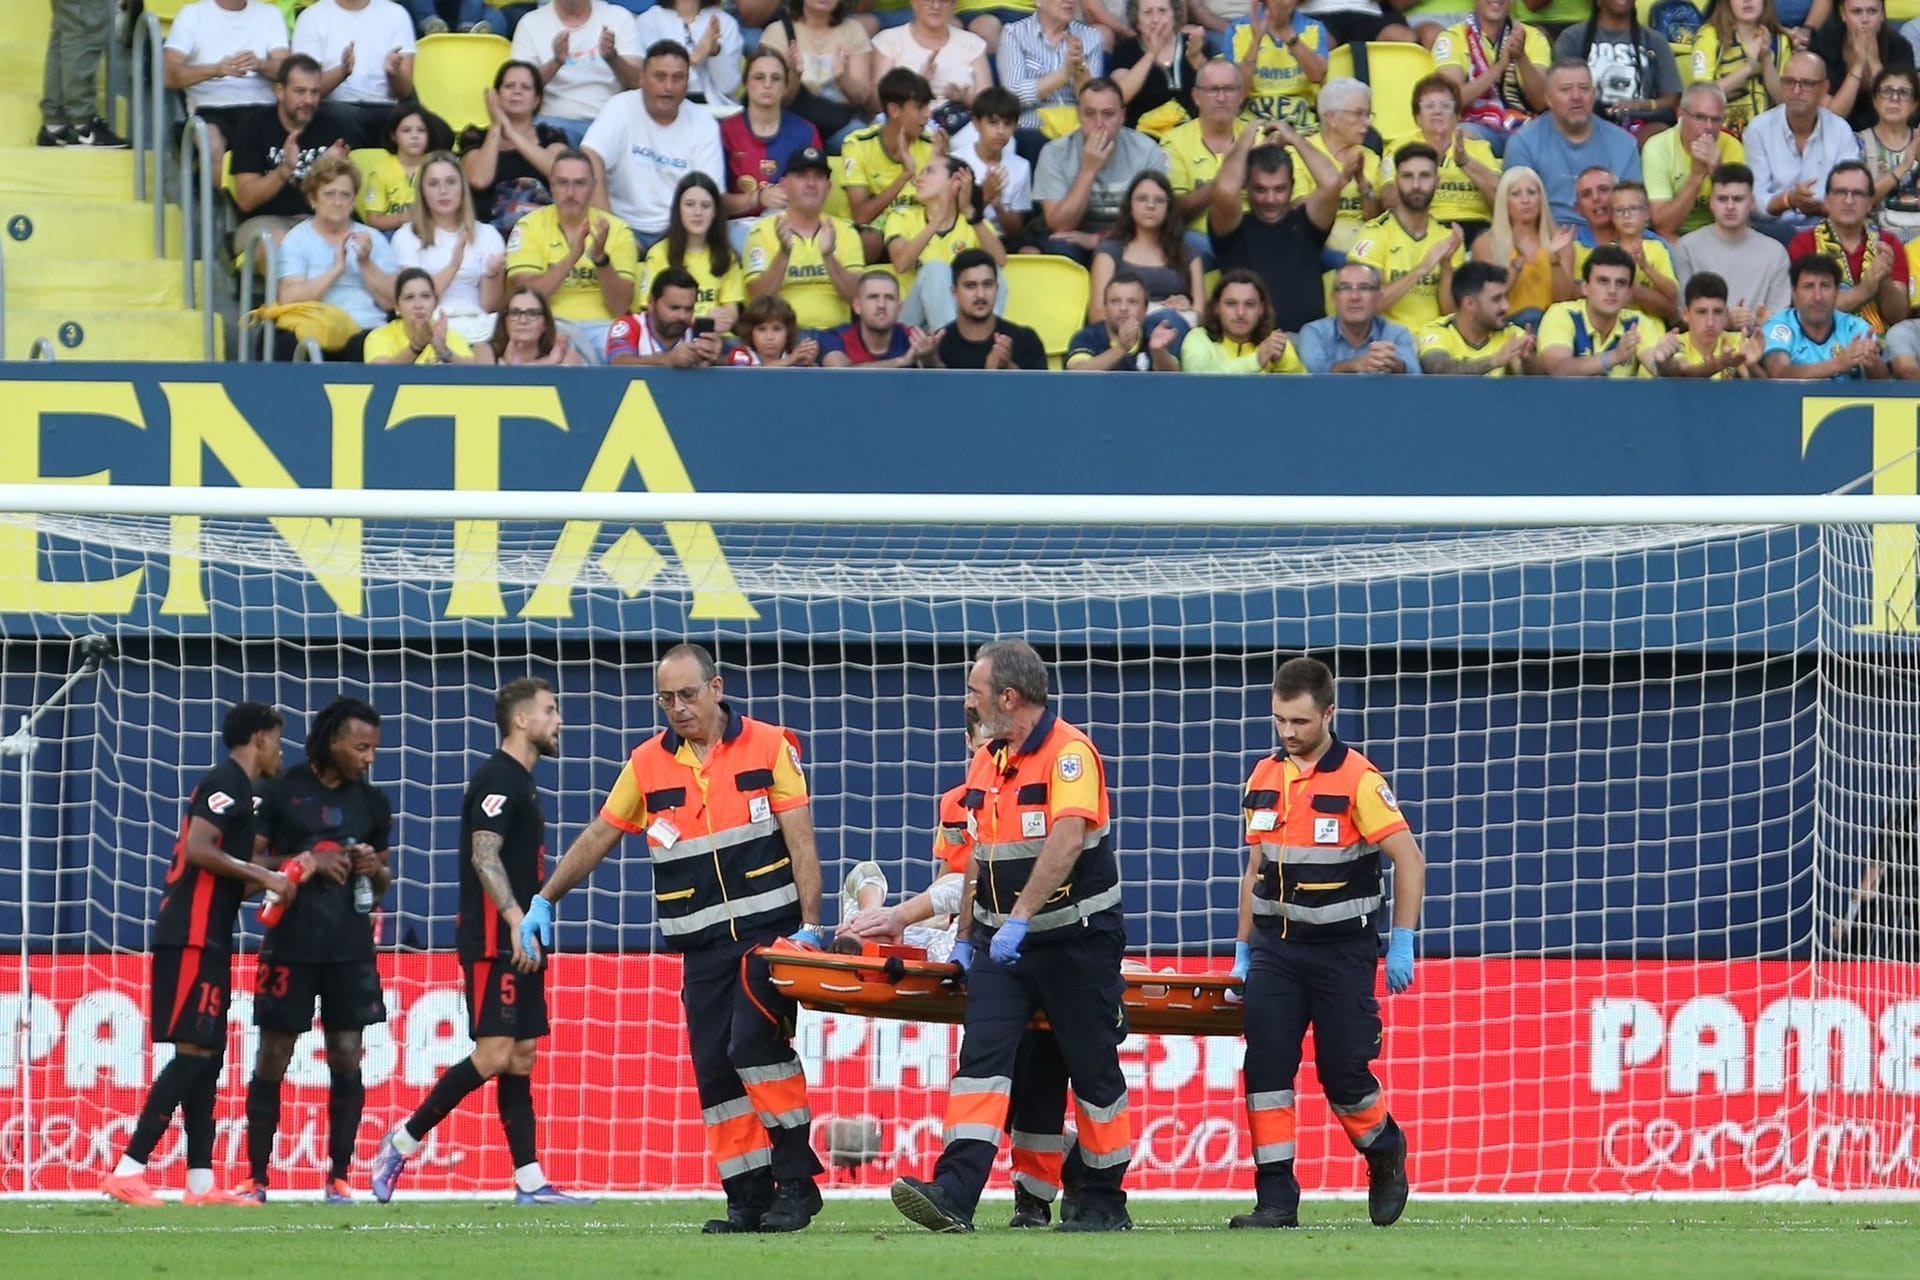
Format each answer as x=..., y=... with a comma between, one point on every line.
x=191, y=987
x=1358, y=28
x=348, y=991
x=502, y=1001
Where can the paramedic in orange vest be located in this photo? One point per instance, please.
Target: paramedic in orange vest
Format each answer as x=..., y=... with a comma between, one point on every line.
x=723, y=806
x=1043, y=1156
x=1319, y=817
x=1044, y=934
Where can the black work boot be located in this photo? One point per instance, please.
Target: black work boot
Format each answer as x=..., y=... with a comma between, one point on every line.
x=929, y=1205
x=1029, y=1210
x=794, y=1204
x=1387, y=1186
x=740, y=1220
x=1268, y=1217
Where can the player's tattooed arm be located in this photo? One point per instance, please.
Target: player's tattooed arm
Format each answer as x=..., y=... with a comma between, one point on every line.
x=493, y=875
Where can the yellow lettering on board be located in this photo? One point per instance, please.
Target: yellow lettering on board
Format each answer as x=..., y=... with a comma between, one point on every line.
x=1895, y=434
x=637, y=439
x=28, y=403
x=477, y=412
x=206, y=422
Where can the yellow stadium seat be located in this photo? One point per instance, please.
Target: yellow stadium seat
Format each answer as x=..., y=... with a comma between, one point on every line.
x=166, y=11
x=452, y=73
x=836, y=205
x=1048, y=294
x=1393, y=69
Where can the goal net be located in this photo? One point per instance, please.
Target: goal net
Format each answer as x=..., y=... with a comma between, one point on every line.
x=1652, y=768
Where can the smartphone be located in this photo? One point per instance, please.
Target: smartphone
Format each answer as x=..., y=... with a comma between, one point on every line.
x=702, y=326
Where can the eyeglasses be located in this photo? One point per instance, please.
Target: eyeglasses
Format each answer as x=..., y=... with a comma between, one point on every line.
x=1894, y=94
x=1702, y=117
x=1628, y=210
x=1847, y=193
x=667, y=697
x=1791, y=83
x=1349, y=287
x=525, y=313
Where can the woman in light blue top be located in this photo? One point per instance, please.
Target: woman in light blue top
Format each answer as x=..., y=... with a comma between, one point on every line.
x=331, y=258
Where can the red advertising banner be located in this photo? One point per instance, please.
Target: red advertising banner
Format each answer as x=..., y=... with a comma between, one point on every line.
x=1510, y=1076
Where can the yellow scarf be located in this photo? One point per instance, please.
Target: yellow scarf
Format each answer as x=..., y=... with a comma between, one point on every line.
x=1828, y=245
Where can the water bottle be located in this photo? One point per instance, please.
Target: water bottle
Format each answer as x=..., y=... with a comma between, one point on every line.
x=363, y=895
x=271, y=906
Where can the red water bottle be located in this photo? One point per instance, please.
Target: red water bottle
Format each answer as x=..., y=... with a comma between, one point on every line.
x=272, y=907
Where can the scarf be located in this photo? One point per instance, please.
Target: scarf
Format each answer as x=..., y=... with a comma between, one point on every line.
x=1828, y=245
x=1492, y=111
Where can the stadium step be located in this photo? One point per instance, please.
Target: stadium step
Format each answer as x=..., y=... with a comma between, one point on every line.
x=43, y=227
x=19, y=112
x=21, y=62
x=81, y=334
x=49, y=284
x=74, y=173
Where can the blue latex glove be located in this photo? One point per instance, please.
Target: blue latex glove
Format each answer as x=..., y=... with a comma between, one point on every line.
x=537, y=923
x=814, y=939
x=1400, y=961
x=1006, y=942
x=962, y=953
x=1242, y=960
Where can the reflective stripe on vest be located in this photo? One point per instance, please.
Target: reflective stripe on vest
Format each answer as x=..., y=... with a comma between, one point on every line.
x=1322, y=878
x=1009, y=792
x=727, y=874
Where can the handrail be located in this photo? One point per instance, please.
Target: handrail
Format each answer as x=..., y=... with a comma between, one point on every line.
x=269, y=291
x=308, y=351
x=149, y=122
x=197, y=232
x=42, y=349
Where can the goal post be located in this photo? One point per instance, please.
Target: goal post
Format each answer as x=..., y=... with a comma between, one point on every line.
x=1652, y=748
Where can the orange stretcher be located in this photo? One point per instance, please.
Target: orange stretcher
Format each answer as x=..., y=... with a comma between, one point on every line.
x=900, y=982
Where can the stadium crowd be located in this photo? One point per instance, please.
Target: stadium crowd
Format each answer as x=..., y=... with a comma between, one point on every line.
x=1728, y=189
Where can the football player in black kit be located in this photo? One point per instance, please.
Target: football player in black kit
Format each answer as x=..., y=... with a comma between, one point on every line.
x=212, y=871
x=326, y=811
x=503, y=845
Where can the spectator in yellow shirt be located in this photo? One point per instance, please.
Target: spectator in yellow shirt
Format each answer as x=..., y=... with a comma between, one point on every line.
x=1282, y=56
x=1500, y=67
x=1477, y=340
x=696, y=241
x=1599, y=336
x=387, y=190
x=584, y=261
x=1469, y=173
x=1710, y=348
x=809, y=257
x=418, y=333
x=1238, y=335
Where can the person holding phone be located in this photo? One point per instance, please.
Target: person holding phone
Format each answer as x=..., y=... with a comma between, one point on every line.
x=666, y=333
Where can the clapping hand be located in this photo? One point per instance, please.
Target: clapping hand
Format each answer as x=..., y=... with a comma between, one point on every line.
x=1162, y=336
x=393, y=62
x=827, y=239
x=1273, y=349
x=1001, y=357
x=1560, y=241
x=346, y=58
x=362, y=243
x=806, y=352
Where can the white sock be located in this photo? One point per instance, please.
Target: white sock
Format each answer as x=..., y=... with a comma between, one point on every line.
x=403, y=1142
x=199, y=1181
x=128, y=1168
x=528, y=1177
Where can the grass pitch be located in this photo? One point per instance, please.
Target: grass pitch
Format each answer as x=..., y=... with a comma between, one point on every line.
x=856, y=1239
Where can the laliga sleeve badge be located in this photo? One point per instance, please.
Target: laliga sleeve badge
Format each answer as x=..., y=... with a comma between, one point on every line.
x=663, y=832
x=759, y=809
x=493, y=804
x=1072, y=765
x=1386, y=798
x=219, y=802
x=1326, y=831
x=1033, y=824
x=1263, y=820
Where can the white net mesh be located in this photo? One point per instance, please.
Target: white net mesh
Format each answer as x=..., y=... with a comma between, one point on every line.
x=1648, y=766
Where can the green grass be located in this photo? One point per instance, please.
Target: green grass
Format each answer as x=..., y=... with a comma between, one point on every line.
x=856, y=1239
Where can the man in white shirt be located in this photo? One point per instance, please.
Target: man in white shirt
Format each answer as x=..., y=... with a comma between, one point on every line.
x=224, y=55
x=365, y=51
x=1792, y=147
x=648, y=139
x=587, y=51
